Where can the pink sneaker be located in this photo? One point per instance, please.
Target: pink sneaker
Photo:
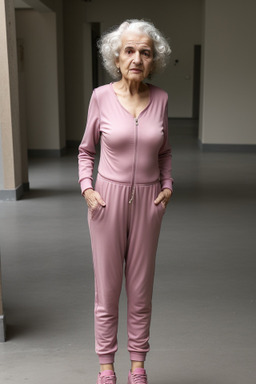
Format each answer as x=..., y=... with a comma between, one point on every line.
x=138, y=376
x=106, y=377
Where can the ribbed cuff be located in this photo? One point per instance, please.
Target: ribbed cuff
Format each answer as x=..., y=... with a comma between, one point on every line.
x=138, y=356
x=107, y=359
x=85, y=184
x=168, y=183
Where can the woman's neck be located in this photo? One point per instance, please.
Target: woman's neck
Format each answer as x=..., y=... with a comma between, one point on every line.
x=130, y=87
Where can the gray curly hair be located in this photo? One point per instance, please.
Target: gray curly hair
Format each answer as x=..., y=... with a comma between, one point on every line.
x=110, y=44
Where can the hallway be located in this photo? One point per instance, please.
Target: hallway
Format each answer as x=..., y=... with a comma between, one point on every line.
x=204, y=311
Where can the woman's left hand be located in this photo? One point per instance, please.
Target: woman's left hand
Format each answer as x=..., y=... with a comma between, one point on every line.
x=163, y=197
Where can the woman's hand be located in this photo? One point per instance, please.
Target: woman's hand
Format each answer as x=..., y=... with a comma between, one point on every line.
x=163, y=197
x=93, y=199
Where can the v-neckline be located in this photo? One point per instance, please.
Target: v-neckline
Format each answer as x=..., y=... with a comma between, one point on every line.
x=126, y=110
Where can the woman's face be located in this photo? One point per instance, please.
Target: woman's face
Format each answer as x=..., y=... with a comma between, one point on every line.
x=135, y=59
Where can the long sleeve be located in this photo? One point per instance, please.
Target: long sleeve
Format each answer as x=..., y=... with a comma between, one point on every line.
x=87, y=148
x=165, y=156
x=129, y=152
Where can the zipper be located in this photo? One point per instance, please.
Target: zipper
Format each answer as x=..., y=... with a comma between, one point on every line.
x=135, y=160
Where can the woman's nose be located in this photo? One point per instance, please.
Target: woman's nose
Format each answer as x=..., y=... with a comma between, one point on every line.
x=137, y=58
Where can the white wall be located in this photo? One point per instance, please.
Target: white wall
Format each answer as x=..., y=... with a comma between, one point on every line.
x=179, y=20
x=228, y=110
x=38, y=33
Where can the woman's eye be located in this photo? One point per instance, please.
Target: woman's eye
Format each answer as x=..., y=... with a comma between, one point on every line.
x=146, y=53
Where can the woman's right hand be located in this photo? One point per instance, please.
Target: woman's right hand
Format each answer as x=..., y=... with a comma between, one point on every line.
x=93, y=199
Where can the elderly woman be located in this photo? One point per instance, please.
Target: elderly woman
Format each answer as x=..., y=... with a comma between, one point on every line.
x=133, y=187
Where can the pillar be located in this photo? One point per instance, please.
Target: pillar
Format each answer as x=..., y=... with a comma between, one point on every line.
x=11, y=183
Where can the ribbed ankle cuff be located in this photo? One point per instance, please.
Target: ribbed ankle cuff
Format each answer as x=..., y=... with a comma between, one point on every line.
x=107, y=359
x=138, y=356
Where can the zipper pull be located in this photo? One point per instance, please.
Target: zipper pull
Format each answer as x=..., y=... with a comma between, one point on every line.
x=132, y=195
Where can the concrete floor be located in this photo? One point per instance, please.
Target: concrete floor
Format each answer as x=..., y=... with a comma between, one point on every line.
x=204, y=311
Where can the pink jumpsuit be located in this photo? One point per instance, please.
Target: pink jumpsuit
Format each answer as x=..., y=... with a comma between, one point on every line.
x=135, y=164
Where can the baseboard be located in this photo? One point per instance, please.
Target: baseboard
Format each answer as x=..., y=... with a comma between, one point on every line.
x=246, y=148
x=2, y=329
x=26, y=187
x=12, y=194
x=46, y=153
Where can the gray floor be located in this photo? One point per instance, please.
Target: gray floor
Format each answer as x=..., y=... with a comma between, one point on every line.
x=204, y=312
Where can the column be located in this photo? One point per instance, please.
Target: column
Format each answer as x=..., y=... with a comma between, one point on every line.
x=11, y=183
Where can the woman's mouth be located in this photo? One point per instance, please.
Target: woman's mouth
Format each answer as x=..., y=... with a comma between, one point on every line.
x=135, y=70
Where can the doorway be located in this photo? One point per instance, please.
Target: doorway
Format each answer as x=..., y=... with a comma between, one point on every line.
x=95, y=35
x=196, y=84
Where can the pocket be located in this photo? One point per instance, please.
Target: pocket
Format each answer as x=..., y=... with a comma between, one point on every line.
x=160, y=210
x=95, y=212
x=163, y=208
